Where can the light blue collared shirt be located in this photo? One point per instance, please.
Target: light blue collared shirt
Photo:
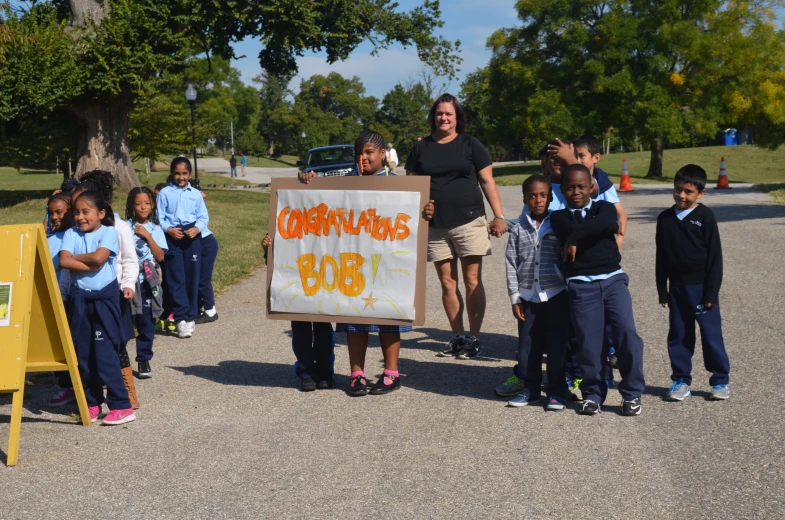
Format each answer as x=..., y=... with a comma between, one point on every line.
x=594, y=277
x=682, y=213
x=560, y=202
x=143, y=251
x=206, y=232
x=77, y=242
x=178, y=207
x=63, y=275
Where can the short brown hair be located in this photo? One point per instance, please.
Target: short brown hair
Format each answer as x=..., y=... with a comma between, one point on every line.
x=460, y=115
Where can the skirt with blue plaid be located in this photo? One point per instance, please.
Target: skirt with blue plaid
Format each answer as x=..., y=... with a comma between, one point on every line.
x=349, y=327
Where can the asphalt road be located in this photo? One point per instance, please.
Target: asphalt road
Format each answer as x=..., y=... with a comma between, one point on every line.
x=224, y=433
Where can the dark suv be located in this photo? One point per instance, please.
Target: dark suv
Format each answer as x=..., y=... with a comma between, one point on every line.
x=329, y=161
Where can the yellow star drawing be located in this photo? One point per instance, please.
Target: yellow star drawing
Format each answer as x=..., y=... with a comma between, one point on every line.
x=370, y=300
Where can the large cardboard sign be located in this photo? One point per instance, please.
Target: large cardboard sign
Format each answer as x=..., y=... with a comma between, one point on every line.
x=34, y=333
x=348, y=250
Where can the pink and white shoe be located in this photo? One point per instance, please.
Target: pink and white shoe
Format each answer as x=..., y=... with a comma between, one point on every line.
x=62, y=398
x=115, y=417
x=95, y=412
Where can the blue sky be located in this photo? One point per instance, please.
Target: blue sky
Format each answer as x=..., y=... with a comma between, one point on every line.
x=470, y=21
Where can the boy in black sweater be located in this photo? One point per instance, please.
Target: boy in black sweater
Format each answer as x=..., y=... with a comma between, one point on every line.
x=598, y=292
x=689, y=256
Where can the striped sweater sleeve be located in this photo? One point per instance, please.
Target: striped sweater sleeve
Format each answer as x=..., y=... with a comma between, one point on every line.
x=511, y=263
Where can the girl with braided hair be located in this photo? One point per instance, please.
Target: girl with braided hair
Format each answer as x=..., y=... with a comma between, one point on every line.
x=150, y=245
x=369, y=148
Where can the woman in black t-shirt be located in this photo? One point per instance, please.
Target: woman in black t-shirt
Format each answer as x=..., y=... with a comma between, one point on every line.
x=460, y=171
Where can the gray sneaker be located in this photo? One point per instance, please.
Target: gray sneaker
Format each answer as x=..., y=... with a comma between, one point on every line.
x=720, y=392
x=678, y=391
x=510, y=388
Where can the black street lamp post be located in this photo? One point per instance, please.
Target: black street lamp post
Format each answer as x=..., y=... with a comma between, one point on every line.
x=190, y=95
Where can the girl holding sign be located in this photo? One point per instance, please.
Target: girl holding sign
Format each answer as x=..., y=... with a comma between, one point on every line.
x=372, y=160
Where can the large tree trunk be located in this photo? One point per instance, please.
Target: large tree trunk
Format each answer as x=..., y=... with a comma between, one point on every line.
x=103, y=139
x=655, y=164
x=271, y=148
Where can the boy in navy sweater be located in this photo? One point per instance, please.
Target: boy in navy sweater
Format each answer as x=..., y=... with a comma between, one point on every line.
x=689, y=260
x=598, y=292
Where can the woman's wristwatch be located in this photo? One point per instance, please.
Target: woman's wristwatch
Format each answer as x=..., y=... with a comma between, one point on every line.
x=500, y=217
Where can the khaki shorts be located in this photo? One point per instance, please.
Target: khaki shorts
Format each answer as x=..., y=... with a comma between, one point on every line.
x=467, y=240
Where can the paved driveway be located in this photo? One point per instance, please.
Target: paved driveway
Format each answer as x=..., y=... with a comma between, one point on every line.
x=223, y=432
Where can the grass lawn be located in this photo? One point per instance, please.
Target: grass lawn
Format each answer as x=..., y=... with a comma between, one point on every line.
x=777, y=191
x=283, y=161
x=744, y=163
x=238, y=218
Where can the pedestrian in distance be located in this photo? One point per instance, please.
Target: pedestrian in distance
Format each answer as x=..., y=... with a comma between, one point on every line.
x=689, y=276
x=233, y=166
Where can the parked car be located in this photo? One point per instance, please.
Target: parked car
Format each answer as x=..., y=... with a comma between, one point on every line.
x=329, y=161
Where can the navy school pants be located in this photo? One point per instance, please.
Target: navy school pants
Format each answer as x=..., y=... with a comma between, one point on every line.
x=683, y=301
x=145, y=325
x=209, y=253
x=313, y=345
x=95, y=328
x=544, y=329
x=183, y=263
x=572, y=365
x=592, y=305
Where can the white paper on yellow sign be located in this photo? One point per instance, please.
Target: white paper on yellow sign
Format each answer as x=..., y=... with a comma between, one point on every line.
x=349, y=253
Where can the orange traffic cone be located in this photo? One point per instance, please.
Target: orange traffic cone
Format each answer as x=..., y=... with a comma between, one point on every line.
x=625, y=184
x=722, y=180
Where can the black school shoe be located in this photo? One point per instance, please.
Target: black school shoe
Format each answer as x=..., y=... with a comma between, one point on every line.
x=358, y=387
x=144, y=372
x=205, y=318
x=324, y=384
x=380, y=388
x=589, y=407
x=471, y=348
x=307, y=384
x=631, y=408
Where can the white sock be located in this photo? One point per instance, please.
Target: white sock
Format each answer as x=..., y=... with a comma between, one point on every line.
x=211, y=312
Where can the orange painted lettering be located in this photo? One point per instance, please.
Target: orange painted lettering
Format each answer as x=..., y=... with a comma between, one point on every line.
x=306, y=265
x=352, y=281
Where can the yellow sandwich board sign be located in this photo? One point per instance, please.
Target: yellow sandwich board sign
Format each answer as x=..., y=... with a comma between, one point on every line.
x=34, y=334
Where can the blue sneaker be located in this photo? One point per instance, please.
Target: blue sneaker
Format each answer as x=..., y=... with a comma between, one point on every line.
x=720, y=392
x=678, y=391
x=522, y=399
x=555, y=404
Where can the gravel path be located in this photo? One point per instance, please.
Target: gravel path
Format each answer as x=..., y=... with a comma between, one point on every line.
x=223, y=432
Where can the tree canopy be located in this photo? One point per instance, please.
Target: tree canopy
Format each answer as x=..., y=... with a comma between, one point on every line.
x=93, y=60
x=665, y=71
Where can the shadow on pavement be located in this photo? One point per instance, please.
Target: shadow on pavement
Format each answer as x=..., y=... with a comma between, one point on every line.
x=245, y=373
x=724, y=213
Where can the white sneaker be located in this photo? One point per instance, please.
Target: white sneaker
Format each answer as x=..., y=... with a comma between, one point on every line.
x=192, y=326
x=184, y=330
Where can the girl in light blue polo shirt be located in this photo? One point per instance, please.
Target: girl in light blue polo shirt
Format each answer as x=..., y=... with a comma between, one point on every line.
x=89, y=252
x=150, y=245
x=183, y=217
